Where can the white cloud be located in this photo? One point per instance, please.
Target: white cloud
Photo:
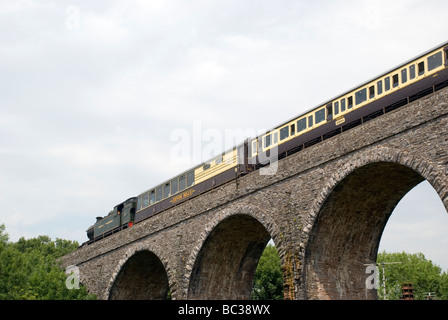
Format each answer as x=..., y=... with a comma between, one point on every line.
x=85, y=155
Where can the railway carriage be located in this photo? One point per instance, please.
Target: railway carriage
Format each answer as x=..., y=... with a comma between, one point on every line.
x=405, y=83
x=204, y=177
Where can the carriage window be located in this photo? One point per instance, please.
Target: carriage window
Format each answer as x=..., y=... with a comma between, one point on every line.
x=387, y=83
x=174, y=186
x=152, y=197
x=320, y=115
x=267, y=141
x=342, y=105
x=379, y=87
x=350, y=102
x=435, y=61
x=404, y=75
x=182, y=183
x=145, y=200
x=360, y=96
x=395, y=80
x=159, y=193
x=254, y=147
x=139, y=203
x=412, y=71
x=166, y=190
x=275, y=136
x=336, y=107
x=421, y=68
x=301, y=124
x=293, y=130
x=310, y=121
x=446, y=55
x=371, y=92
x=284, y=133
x=206, y=166
x=190, y=178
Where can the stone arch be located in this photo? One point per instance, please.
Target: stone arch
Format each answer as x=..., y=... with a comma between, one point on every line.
x=223, y=263
x=140, y=275
x=348, y=217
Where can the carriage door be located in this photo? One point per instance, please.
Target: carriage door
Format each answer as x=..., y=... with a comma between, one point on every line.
x=330, y=111
x=446, y=56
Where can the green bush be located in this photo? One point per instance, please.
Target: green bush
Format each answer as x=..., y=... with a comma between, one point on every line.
x=29, y=269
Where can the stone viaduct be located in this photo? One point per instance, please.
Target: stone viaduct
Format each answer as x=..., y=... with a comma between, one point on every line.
x=325, y=209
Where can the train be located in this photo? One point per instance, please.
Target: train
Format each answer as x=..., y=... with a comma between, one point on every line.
x=407, y=82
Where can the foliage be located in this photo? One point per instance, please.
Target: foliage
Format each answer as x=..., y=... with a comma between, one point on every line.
x=29, y=269
x=415, y=268
x=423, y=274
x=268, y=282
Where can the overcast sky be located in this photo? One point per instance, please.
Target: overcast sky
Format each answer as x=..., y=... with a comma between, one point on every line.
x=92, y=94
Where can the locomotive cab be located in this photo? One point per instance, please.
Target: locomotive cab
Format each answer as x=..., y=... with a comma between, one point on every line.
x=121, y=217
x=127, y=212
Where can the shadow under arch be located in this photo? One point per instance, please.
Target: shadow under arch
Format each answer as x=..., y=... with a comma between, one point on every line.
x=347, y=229
x=141, y=277
x=225, y=265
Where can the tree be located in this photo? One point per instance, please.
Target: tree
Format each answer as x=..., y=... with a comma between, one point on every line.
x=268, y=282
x=29, y=269
x=423, y=274
x=3, y=236
x=415, y=268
